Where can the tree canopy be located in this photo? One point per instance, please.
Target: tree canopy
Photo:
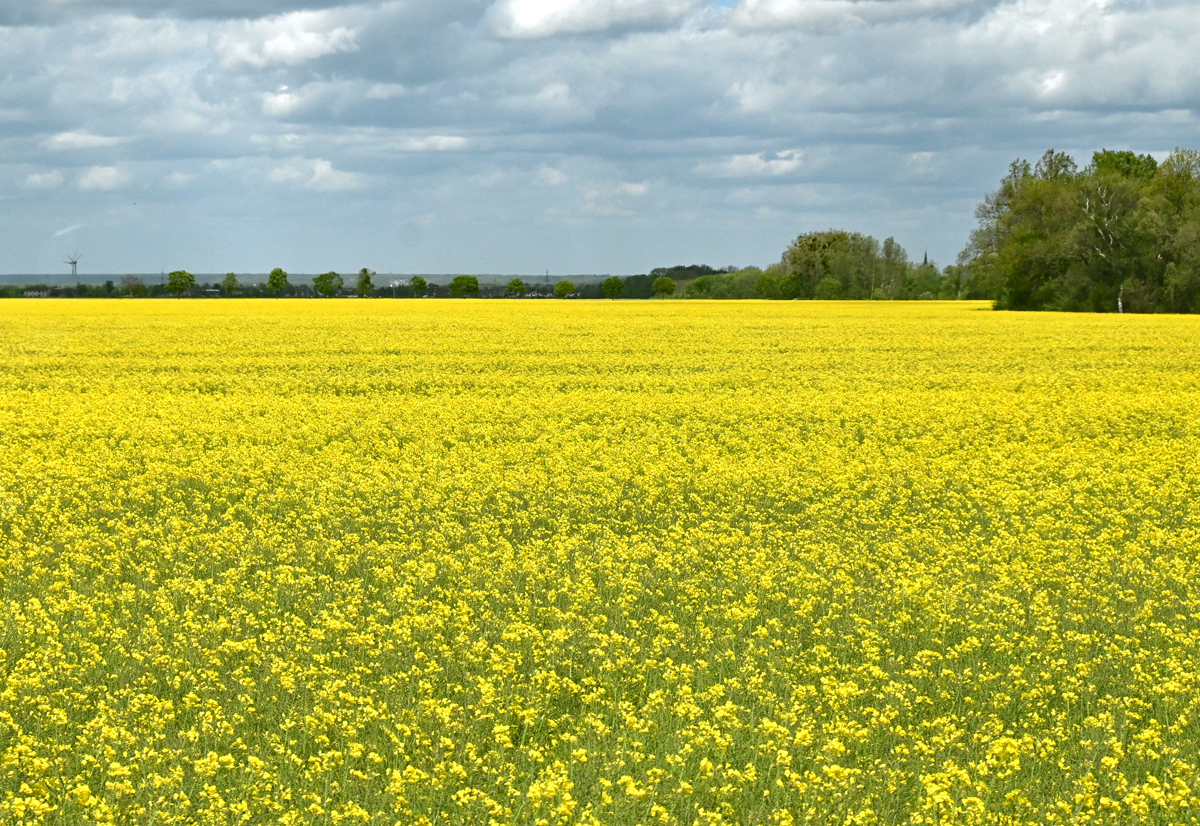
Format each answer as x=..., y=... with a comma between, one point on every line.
x=180, y=282
x=740, y=284
x=327, y=284
x=277, y=281
x=365, y=285
x=1121, y=234
x=685, y=273
x=464, y=285
x=834, y=263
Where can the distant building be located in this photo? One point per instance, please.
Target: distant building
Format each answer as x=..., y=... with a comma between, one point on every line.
x=37, y=292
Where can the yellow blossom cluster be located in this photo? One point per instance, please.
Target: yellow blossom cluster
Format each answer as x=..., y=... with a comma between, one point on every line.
x=549, y=563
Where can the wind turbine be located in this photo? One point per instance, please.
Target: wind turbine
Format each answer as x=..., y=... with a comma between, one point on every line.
x=73, y=260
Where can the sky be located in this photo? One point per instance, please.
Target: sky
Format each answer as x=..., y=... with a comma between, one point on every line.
x=568, y=136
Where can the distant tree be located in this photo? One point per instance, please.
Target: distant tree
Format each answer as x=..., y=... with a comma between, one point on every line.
x=515, y=287
x=893, y=270
x=767, y=284
x=563, y=289
x=132, y=285
x=277, y=281
x=736, y=284
x=828, y=288
x=639, y=286
x=365, y=285
x=684, y=273
x=663, y=286
x=108, y=287
x=230, y=283
x=464, y=285
x=327, y=284
x=953, y=282
x=848, y=257
x=418, y=285
x=180, y=282
x=613, y=287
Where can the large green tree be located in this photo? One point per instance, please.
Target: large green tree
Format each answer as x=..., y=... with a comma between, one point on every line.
x=277, y=281
x=180, y=282
x=816, y=260
x=328, y=283
x=365, y=285
x=464, y=285
x=613, y=287
x=1122, y=234
x=563, y=289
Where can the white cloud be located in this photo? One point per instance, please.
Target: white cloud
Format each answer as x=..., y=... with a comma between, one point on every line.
x=757, y=163
x=281, y=104
x=543, y=18
x=103, y=178
x=178, y=180
x=491, y=178
x=551, y=176
x=829, y=16
x=555, y=101
x=609, y=201
x=432, y=143
x=325, y=177
x=80, y=140
x=385, y=91
x=315, y=173
x=284, y=40
x=44, y=180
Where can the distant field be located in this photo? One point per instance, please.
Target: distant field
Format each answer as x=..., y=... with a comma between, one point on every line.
x=474, y=562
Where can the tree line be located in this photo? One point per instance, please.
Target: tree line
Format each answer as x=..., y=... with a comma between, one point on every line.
x=1120, y=235
x=182, y=283
x=832, y=264
x=836, y=264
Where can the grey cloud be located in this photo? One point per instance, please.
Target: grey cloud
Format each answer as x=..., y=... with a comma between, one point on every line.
x=24, y=13
x=599, y=135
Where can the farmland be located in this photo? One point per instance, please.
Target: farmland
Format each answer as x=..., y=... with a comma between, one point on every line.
x=366, y=562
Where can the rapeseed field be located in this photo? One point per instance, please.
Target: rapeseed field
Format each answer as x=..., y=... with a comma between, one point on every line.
x=548, y=563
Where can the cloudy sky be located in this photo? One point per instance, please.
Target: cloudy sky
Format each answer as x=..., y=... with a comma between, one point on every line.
x=575, y=136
